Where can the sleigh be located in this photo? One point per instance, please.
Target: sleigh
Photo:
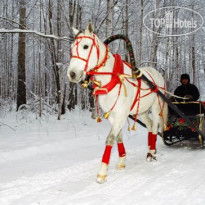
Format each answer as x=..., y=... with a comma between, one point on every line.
x=178, y=129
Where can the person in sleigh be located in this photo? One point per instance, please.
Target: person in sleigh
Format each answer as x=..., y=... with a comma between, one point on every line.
x=186, y=89
x=189, y=91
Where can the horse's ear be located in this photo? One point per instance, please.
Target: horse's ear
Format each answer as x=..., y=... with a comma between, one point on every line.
x=75, y=31
x=90, y=27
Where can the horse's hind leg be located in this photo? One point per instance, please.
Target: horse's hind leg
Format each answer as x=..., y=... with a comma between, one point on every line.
x=121, y=150
x=151, y=137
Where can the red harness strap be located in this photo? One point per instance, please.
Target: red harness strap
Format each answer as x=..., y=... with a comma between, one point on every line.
x=86, y=60
x=155, y=90
x=137, y=100
x=137, y=97
x=118, y=69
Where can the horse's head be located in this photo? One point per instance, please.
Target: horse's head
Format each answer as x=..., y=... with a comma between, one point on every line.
x=85, y=54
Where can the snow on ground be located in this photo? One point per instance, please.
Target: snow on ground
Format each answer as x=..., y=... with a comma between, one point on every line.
x=51, y=162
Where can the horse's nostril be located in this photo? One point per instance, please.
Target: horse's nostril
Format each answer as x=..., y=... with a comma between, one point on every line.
x=72, y=74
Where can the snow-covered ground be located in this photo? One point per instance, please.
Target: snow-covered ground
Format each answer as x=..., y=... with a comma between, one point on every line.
x=51, y=162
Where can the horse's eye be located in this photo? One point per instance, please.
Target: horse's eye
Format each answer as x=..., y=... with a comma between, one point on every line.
x=85, y=47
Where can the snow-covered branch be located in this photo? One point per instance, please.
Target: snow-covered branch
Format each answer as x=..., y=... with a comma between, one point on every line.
x=35, y=33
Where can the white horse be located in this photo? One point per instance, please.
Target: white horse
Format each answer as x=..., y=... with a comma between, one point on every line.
x=118, y=94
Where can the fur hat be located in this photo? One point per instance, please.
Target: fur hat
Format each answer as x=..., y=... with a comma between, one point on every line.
x=185, y=76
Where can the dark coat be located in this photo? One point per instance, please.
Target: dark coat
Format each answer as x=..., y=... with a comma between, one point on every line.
x=187, y=90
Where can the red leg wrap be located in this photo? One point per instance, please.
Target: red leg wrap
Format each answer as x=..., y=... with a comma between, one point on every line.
x=152, y=141
x=149, y=138
x=121, y=149
x=106, y=155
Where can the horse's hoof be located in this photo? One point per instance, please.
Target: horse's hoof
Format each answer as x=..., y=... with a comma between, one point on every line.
x=151, y=157
x=101, y=179
x=120, y=166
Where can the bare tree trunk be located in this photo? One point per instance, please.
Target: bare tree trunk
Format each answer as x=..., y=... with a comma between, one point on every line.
x=63, y=110
x=21, y=90
x=193, y=63
x=54, y=60
x=78, y=24
x=46, y=75
x=58, y=77
x=6, y=63
x=71, y=97
x=72, y=100
x=141, y=26
x=92, y=105
x=126, y=26
x=155, y=42
x=12, y=84
x=40, y=77
x=166, y=64
x=178, y=68
x=109, y=18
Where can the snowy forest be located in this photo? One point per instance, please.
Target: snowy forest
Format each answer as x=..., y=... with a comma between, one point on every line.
x=35, y=40
x=51, y=148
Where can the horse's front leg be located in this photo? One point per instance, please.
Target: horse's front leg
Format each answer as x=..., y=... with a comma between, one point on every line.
x=113, y=135
x=102, y=174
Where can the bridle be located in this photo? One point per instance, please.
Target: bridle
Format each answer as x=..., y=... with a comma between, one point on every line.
x=94, y=44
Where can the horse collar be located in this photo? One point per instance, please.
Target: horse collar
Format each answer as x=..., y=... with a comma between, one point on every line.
x=118, y=69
